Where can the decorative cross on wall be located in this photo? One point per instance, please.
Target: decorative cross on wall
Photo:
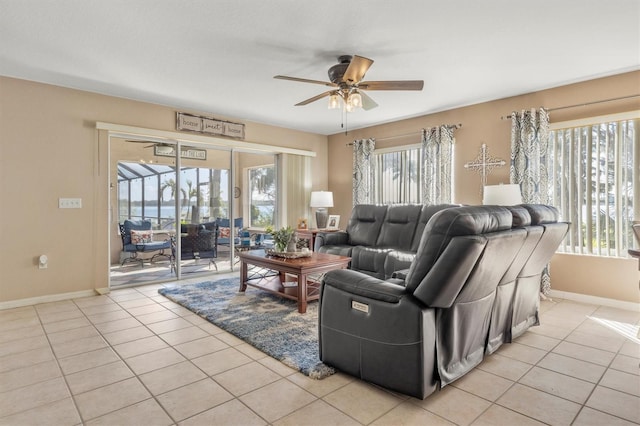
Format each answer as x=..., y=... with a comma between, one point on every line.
x=484, y=164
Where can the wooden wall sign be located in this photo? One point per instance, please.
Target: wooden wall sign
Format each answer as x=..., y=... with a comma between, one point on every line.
x=194, y=123
x=170, y=151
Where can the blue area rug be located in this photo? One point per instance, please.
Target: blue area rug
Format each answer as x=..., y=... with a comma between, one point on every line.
x=269, y=323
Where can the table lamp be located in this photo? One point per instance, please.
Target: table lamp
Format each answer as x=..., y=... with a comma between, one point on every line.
x=502, y=195
x=321, y=200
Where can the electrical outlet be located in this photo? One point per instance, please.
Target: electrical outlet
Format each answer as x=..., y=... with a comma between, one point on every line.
x=70, y=203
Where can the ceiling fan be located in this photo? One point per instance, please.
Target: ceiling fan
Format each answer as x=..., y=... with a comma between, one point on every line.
x=346, y=82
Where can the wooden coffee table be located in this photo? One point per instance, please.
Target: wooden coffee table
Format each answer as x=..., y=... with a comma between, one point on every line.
x=305, y=290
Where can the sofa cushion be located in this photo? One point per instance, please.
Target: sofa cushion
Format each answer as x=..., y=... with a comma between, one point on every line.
x=365, y=223
x=225, y=232
x=138, y=225
x=369, y=260
x=152, y=246
x=141, y=237
x=340, y=250
x=399, y=226
x=542, y=214
x=520, y=215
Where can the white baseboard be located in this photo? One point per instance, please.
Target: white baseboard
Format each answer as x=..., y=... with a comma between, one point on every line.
x=595, y=300
x=46, y=299
x=576, y=297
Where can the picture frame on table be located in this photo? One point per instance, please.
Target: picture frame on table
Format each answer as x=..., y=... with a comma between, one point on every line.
x=303, y=223
x=333, y=222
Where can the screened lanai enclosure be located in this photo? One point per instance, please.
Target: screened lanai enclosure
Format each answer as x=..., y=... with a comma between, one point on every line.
x=183, y=216
x=150, y=191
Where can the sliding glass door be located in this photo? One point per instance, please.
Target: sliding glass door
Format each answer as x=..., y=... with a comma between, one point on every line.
x=205, y=204
x=182, y=209
x=143, y=212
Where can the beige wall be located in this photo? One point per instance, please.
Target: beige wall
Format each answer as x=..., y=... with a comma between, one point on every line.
x=49, y=148
x=483, y=123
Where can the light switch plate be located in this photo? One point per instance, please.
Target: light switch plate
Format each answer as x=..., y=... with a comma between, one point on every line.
x=70, y=203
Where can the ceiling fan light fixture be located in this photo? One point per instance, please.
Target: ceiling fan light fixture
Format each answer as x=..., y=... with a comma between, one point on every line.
x=349, y=104
x=334, y=101
x=355, y=99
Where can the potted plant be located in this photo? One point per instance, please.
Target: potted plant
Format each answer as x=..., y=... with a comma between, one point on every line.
x=281, y=238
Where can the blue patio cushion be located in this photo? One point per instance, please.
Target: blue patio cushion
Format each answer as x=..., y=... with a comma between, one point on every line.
x=155, y=245
x=138, y=225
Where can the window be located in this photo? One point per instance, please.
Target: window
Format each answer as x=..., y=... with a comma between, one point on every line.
x=148, y=191
x=592, y=169
x=262, y=195
x=397, y=175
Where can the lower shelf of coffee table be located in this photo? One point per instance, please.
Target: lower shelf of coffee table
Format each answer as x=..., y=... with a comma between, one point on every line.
x=275, y=286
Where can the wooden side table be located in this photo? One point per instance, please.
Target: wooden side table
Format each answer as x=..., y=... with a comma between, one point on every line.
x=310, y=235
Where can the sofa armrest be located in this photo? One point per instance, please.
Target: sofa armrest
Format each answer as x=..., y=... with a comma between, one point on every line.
x=364, y=285
x=330, y=239
x=400, y=275
x=389, y=344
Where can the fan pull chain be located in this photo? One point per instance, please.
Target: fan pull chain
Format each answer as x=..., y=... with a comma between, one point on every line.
x=344, y=124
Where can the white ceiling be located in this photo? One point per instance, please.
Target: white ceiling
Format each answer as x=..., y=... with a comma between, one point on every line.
x=218, y=57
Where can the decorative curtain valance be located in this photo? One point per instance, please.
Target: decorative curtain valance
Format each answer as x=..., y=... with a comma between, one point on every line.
x=363, y=171
x=437, y=158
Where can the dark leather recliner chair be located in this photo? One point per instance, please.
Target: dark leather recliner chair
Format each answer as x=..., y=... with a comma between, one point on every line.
x=425, y=329
x=502, y=313
x=526, y=300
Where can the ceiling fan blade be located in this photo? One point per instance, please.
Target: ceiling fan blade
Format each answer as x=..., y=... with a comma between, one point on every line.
x=392, y=85
x=315, y=98
x=357, y=69
x=367, y=102
x=143, y=141
x=305, y=80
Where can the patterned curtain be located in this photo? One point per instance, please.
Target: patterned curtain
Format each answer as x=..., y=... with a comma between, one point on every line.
x=437, y=157
x=529, y=143
x=363, y=169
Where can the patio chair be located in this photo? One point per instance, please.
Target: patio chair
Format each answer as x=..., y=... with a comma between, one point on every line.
x=137, y=238
x=225, y=232
x=200, y=242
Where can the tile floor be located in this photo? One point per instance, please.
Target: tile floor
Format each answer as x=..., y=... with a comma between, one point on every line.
x=135, y=358
x=133, y=274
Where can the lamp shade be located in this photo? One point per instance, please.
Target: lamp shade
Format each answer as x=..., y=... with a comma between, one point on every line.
x=334, y=101
x=356, y=99
x=321, y=199
x=502, y=195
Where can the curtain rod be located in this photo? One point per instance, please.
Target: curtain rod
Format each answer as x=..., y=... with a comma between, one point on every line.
x=454, y=126
x=583, y=104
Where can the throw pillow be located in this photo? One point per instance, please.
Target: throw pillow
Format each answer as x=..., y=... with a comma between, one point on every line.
x=141, y=237
x=225, y=232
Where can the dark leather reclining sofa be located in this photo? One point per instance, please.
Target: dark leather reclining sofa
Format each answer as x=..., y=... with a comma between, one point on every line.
x=471, y=283
x=380, y=239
